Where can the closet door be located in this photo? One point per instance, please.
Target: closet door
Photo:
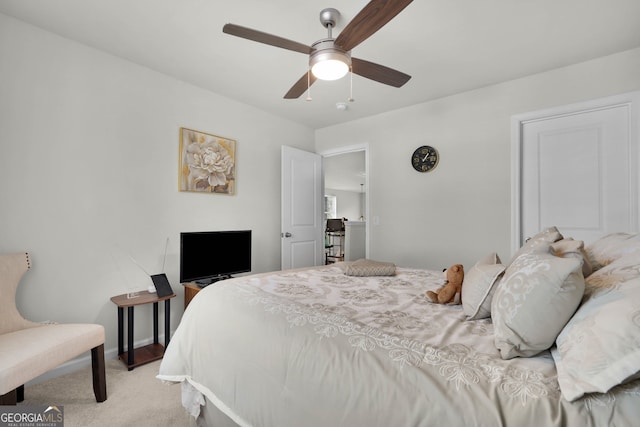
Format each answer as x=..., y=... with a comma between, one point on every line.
x=577, y=169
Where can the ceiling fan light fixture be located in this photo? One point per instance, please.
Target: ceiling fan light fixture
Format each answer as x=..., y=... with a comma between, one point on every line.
x=329, y=63
x=330, y=69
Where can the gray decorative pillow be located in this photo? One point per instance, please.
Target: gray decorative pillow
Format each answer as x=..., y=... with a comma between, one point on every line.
x=539, y=242
x=536, y=298
x=568, y=247
x=479, y=286
x=367, y=267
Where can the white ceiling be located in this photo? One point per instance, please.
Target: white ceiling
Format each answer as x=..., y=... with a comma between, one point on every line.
x=447, y=46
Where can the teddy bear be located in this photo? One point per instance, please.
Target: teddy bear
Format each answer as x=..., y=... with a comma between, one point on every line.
x=451, y=292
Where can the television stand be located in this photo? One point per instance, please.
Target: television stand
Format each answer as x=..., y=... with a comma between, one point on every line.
x=192, y=288
x=206, y=282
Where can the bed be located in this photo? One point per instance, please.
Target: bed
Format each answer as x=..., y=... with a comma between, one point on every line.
x=551, y=337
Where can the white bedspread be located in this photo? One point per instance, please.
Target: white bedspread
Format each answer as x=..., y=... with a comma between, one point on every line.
x=315, y=347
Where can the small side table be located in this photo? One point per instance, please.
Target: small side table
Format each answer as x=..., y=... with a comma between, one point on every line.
x=135, y=357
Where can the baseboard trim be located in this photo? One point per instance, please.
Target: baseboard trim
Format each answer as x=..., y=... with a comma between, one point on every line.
x=85, y=361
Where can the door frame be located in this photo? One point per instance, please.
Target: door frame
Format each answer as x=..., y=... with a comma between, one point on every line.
x=630, y=99
x=352, y=149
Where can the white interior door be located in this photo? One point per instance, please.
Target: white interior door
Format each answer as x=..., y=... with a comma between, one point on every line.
x=578, y=169
x=302, y=199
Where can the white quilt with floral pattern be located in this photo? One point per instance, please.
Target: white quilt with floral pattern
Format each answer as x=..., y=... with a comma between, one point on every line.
x=314, y=347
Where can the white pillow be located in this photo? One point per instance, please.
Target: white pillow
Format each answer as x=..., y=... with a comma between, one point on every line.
x=599, y=347
x=613, y=275
x=479, y=286
x=611, y=247
x=537, y=296
x=539, y=242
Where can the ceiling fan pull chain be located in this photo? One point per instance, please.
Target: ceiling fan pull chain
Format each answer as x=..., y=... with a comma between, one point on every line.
x=308, y=85
x=351, y=84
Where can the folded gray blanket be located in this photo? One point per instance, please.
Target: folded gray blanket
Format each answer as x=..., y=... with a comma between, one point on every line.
x=368, y=267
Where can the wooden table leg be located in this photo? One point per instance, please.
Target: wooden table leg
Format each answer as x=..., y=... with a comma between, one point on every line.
x=155, y=323
x=130, y=336
x=167, y=322
x=120, y=331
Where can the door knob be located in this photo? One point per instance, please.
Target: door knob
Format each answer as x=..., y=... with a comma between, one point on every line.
x=287, y=234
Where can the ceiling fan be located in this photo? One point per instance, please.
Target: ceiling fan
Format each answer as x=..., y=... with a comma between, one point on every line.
x=328, y=52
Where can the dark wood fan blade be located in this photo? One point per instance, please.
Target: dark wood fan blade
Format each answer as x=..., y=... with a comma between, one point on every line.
x=270, y=39
x=379, y=73
x=300, y=86
x=369, y=20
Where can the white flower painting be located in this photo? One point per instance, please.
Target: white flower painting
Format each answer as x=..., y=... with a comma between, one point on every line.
x=207, y=163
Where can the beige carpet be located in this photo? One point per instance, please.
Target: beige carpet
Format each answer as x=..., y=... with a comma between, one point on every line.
x=134, y=398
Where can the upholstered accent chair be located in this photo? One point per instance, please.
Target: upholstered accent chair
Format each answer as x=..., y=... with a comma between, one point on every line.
x=29, y=349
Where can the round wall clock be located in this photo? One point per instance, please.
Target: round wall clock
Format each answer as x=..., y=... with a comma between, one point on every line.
x=425, y=158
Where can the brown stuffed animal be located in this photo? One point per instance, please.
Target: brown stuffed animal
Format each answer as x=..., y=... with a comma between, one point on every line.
x=447, y=294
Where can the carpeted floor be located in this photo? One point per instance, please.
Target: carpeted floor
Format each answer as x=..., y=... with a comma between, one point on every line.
x=134, y=398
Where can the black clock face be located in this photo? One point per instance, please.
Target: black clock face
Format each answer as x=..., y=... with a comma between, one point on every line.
x=425, y=158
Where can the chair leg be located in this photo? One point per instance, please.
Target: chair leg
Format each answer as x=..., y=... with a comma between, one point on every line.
x=9, y=398
x=98, y=371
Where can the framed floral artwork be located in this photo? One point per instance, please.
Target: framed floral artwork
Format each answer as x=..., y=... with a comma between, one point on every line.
x=207, y=163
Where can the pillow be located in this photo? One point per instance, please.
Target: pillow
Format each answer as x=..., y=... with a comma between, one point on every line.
x=539, y=242
x=610, y=277
x=611, y=247
x=367, y=267
x=573, y=248
x=537, y=296
x=479, y=285
x=599, y=347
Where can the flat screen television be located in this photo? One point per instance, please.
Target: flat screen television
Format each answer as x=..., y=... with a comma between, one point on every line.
x=209, y=256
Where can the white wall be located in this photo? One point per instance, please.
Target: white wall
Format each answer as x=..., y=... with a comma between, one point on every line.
x=461, y=211
x=89, y=175
x=349, y=203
